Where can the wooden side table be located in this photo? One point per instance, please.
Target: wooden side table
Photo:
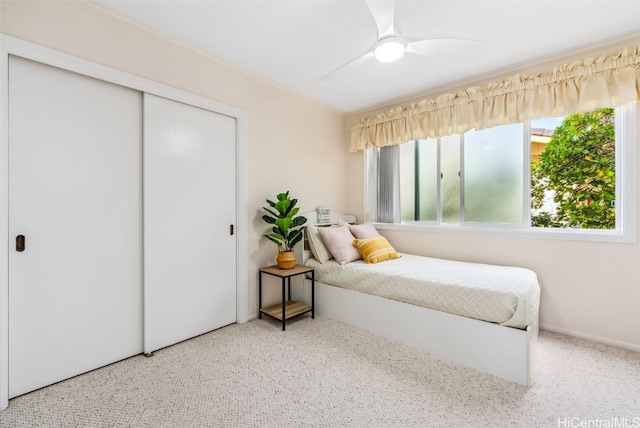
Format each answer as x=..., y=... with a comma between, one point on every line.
x=288, y=308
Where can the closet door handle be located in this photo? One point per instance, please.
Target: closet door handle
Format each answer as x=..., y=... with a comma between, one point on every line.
x=20, y=243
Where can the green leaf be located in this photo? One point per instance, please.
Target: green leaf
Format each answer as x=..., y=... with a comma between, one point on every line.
x=293, y=240
x=284, y=223
x=277, y=241
x=269, y=219
x=273, y=213
x=283, y=206
x=299, y=221
x=290, y=207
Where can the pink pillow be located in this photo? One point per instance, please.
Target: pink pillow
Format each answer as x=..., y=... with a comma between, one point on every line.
x=364, y=231
x=339, y=241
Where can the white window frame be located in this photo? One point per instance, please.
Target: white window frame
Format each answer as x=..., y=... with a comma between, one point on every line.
x=627, y=135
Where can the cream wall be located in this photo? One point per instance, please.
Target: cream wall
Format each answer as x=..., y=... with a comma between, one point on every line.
x=293, y=142
x=589, y=289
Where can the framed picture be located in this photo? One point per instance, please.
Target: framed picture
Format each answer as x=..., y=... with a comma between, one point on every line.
x=324, y=215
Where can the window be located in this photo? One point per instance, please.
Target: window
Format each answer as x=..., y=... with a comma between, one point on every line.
x=494, y=175
x=573, y=178
x=563, y=173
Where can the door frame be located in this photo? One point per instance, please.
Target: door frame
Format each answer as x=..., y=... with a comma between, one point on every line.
x=17, y=47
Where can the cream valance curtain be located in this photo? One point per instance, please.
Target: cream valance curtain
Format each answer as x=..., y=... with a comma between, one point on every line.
x=608, y=81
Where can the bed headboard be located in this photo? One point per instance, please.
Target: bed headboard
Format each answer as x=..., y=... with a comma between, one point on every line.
x=302, y=251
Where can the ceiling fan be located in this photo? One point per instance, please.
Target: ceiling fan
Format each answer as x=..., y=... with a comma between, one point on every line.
x=392, y=44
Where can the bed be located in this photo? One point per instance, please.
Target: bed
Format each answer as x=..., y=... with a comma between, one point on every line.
x=478, y=315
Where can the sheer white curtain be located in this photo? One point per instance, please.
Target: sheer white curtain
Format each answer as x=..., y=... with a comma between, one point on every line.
x=608, y=81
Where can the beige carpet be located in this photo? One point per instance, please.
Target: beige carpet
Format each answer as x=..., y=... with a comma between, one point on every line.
x=321, y=373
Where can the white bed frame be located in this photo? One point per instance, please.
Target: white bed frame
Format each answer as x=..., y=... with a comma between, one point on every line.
x=505, y=352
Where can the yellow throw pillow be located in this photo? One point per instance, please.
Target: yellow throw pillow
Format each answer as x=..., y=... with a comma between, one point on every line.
x=374, y=250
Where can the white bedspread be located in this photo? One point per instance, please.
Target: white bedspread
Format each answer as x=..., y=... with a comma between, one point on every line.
x=500, y=294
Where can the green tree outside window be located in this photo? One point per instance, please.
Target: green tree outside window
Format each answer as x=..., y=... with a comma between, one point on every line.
x=577, y=171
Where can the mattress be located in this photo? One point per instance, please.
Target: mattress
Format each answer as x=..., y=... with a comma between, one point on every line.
x=505, y=295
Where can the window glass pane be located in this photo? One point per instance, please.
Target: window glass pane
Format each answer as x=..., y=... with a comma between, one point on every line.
x=371, y=185
x=494, y=174
x=419, y=180
x=573, y=177
x=450, y=152
x=426, y=204
x=407, y=181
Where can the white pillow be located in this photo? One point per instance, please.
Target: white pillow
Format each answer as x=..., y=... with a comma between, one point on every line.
x=318, y=249
x=339, y=241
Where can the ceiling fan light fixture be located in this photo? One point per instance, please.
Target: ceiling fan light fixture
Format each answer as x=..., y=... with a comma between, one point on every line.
x=389, y=50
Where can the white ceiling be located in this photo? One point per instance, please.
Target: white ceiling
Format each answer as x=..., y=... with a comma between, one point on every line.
x=296, y=42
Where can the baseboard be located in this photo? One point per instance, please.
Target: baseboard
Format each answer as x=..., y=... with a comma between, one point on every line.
x=592, y=338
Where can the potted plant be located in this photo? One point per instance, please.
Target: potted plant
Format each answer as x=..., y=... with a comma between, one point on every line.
x=287, y=228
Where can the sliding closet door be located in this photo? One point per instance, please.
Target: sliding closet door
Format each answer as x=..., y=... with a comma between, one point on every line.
x=190, y=200
x=75, y=290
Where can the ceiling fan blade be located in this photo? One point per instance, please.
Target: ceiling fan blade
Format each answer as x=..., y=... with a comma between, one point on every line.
x=383, y=12
x=463, y=50
x=346, y=68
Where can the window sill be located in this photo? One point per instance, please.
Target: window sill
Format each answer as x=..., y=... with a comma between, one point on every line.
x=511, y=231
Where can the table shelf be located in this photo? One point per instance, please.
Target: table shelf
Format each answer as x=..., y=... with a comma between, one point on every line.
x=292, y=309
